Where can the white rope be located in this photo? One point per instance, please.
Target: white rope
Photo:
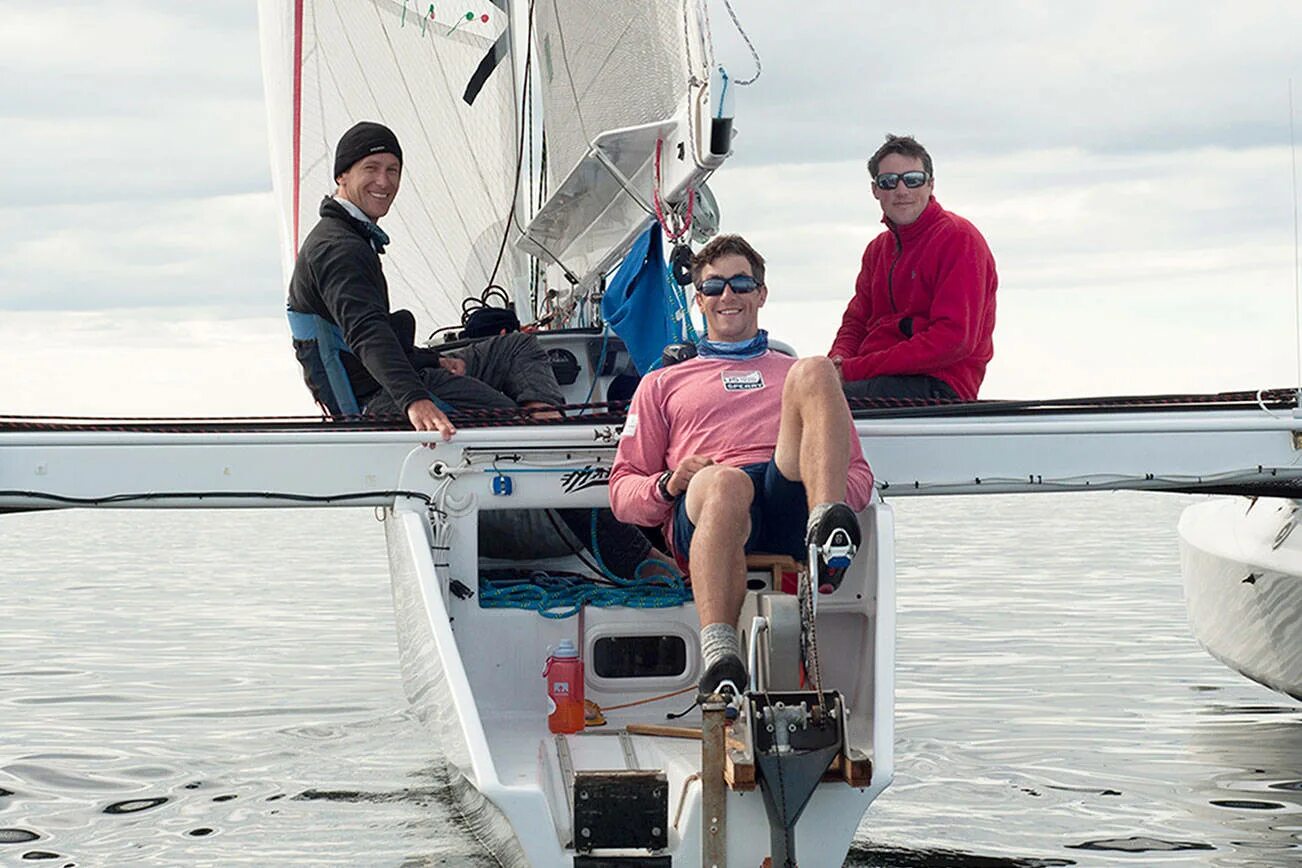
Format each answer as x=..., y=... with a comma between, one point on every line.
x=753, y=53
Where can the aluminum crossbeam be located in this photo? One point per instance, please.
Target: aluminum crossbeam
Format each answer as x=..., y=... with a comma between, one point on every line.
x=1172, y=450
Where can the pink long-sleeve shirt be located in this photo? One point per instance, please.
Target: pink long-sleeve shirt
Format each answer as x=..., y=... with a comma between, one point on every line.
x=726, y=409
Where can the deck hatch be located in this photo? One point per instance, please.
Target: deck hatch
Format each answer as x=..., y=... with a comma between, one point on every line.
x=659, y=656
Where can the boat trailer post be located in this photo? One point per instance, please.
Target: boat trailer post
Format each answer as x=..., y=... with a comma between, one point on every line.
x=714, y=790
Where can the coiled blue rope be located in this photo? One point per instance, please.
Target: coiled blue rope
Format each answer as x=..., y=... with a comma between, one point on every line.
x=564, y=596
x=559, y=597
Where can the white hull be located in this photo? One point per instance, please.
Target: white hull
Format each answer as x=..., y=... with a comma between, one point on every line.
x=473, y=676
x=1243, y=589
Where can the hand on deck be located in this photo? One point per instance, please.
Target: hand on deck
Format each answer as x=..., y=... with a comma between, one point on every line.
x=425, y=416
x=682, y=476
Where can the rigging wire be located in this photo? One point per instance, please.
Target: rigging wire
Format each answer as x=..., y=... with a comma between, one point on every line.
x=1297, y=267
x=519, y=151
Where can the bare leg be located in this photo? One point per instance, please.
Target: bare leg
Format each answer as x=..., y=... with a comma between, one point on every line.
x=814, y=431
x=718, y=503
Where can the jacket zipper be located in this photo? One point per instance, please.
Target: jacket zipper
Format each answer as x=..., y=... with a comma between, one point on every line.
x=890, y=275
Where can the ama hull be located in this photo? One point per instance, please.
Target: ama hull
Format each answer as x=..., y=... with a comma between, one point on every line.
x=1242, y=565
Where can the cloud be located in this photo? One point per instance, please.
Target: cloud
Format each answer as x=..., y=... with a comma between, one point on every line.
x=149, y=362
x=130, y=102
x=980, y=79
x=218, y=253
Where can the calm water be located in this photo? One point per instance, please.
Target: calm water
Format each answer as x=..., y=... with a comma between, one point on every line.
x=222, y=687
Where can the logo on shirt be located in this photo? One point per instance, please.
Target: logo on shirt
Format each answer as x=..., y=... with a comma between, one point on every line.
x=734, y=381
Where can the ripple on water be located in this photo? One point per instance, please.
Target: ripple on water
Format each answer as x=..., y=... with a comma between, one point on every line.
x=17, y=836
x=133, y=806
x=1140, y=844
x=1247, y=804
x=901, y=857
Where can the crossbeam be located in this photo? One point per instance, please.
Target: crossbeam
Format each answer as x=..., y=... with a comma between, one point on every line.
x=1249, y=451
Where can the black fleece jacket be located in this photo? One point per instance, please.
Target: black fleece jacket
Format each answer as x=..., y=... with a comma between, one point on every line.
x=337, y=276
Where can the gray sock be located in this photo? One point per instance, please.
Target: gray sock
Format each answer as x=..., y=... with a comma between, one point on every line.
x=718, y=640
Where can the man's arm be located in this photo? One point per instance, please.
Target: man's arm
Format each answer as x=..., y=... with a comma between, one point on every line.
x=350, y=289
x=641, y=459
x=858, y=313
x=961, y=299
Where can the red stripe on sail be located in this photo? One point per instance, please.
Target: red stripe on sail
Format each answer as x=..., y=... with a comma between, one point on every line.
x=296, y=144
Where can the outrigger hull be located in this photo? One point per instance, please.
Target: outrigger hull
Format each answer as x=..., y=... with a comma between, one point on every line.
x=1242, y=566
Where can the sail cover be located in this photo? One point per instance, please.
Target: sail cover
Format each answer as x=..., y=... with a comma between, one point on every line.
x=444, y=82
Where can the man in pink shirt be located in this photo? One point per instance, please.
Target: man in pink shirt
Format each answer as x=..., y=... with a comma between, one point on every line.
x=740, y=449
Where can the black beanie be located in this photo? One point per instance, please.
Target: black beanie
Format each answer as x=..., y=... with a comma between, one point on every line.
x=362, y=140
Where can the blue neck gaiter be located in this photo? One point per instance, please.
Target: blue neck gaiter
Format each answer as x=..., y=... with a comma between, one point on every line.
x=753, y=348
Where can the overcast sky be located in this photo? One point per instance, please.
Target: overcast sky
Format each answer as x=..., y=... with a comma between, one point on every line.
x=1129, y=164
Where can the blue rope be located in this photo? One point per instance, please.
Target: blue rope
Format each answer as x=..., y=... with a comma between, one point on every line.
x=601, y=361
x=564, y=596
x=679, y=296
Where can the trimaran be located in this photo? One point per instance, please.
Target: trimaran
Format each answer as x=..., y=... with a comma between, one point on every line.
x=629, y=98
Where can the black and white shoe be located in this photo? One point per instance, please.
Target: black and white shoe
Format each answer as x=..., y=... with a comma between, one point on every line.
x=833, y=538
x=726, y=677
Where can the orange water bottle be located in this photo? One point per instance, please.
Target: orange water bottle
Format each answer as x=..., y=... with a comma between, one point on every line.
x=564, y=674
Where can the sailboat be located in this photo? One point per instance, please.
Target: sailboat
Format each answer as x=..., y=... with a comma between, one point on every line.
x=631, y=117
x=635, y=121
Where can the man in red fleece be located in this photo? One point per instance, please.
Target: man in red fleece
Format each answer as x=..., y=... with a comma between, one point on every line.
x=921, y=321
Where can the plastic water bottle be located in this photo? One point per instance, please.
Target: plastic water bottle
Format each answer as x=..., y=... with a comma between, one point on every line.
x=564, y=674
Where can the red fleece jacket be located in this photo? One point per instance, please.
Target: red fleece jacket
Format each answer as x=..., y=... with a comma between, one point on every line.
x=924, y=303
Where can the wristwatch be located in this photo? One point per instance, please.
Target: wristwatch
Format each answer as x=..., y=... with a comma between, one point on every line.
x=662, y=486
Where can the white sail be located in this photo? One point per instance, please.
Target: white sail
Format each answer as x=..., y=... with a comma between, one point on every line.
x=606, y=65
x=446, y=86
x=619, y=80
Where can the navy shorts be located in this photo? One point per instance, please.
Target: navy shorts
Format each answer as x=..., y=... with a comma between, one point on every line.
x=778, y=515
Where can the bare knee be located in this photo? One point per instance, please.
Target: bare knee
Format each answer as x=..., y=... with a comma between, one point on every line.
x=811, y=375
x=719, y=491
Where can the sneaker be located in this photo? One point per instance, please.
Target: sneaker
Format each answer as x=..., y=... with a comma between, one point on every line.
x=833, y=538
x=727, y=675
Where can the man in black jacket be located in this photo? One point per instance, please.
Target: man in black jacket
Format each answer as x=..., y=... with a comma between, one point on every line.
x=356, y=355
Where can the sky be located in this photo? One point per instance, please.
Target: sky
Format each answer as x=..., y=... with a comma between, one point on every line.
x=1128, y=162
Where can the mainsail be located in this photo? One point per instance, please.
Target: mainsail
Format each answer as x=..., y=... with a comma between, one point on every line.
x=444, y=82
x=619, y=80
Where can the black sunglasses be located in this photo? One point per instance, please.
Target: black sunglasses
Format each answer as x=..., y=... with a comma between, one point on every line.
x=740, y=283
x=891, y=180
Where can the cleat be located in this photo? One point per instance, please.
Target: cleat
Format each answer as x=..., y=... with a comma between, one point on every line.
x=725, y=677
x=833, y=539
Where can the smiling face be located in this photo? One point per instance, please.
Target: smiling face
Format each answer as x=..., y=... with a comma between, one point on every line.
x=371, y=183
x=902, y=206
x=731, y=316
